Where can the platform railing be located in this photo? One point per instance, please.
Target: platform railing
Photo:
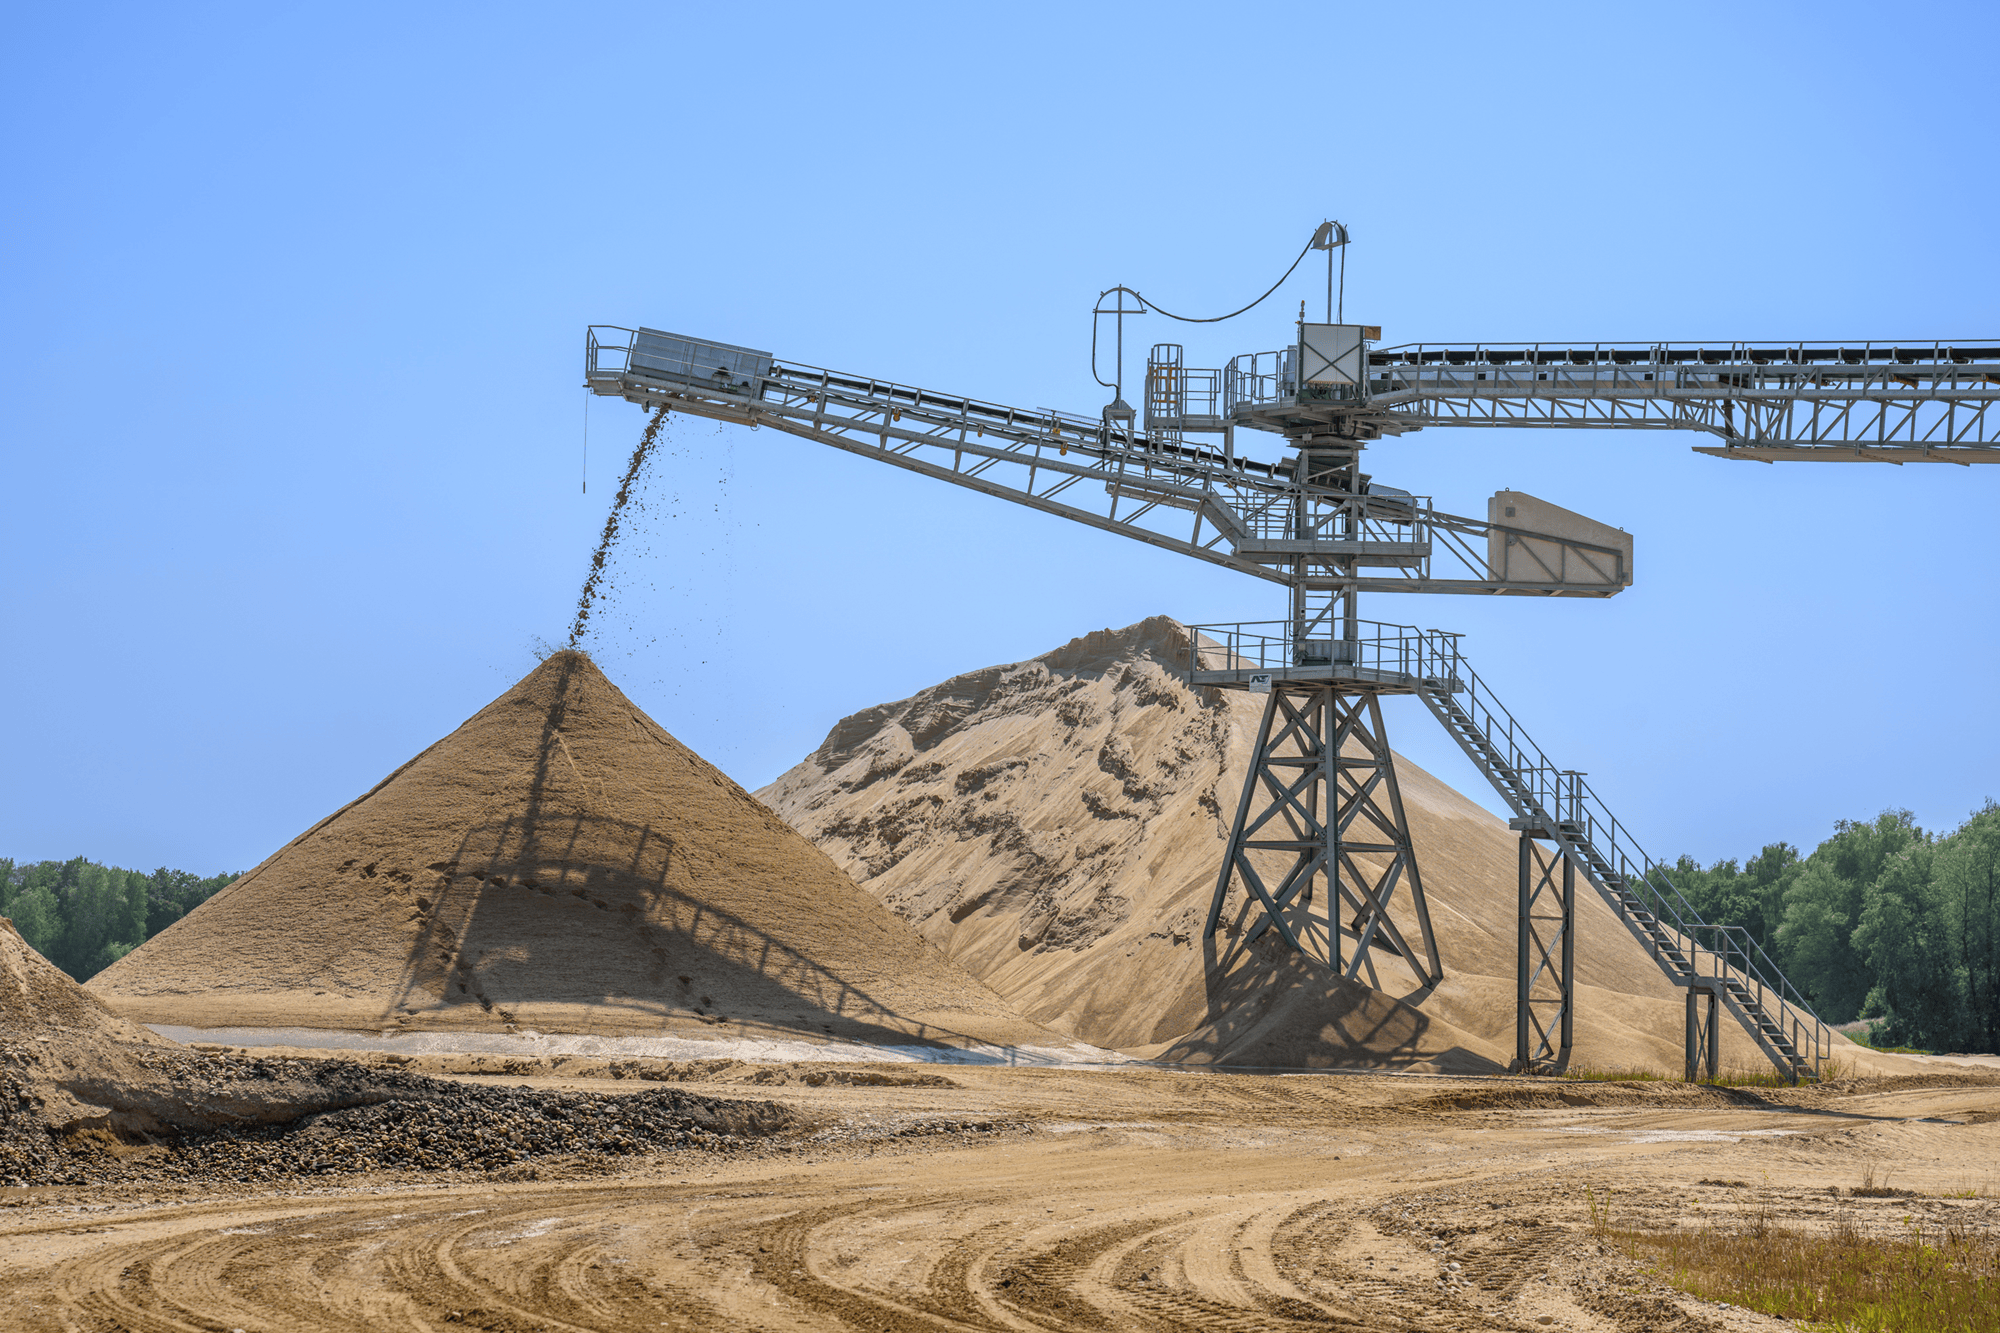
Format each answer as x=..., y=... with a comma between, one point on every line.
x=1260, y=377
x=1378, y=649
x=1374, y=518
x=605, y=352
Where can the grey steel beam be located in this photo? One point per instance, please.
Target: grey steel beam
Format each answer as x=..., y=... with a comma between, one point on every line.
x=1782, y=396
x=985, y=486
x=1963, y=455
x=1545, y=955
x=1703, y=1036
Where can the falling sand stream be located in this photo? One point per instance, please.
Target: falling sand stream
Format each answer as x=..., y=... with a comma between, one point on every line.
x=591, y=583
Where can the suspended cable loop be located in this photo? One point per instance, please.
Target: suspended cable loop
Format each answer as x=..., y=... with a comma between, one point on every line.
x=1188, y=319
x=1217, y=319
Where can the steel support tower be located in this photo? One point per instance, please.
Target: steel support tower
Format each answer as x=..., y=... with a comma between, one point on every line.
x=1703, y=1037
x=1322, y=791
x=1545, y=958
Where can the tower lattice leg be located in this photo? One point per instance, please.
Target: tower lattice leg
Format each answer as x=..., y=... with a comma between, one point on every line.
x=1703, y=1037
x=1322, y=789
x=1545, y=1001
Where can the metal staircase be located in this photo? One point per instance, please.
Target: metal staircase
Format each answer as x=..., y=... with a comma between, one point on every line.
x=1723, y=960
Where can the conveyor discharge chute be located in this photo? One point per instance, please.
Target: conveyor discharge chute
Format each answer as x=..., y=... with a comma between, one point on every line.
x=669, y=356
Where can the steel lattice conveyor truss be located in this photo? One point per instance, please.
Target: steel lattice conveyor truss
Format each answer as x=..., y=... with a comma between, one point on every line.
x=1257, y=518
x=1725, y=961
x=1883, y=402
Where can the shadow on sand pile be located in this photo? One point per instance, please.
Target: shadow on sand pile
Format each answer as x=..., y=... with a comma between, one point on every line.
x=1266, y=1007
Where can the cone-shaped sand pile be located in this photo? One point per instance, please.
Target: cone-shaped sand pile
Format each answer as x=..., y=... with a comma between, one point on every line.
x=1056, y=826
x=558, y=864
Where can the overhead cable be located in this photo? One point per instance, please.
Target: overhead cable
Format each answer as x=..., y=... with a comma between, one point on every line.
x=1217, y=319
x=1188, y=319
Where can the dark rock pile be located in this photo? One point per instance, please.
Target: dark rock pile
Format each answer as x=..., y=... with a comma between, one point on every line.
x=335, y=1118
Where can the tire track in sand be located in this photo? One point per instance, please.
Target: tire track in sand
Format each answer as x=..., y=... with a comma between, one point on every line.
x=1128, y=1230
x=398, y=1265
x=968, y=1261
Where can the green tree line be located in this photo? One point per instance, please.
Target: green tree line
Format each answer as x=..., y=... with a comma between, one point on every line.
x=83, y=917
x=1883, y=921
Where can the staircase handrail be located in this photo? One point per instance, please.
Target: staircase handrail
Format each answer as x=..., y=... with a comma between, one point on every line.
x=1756, y=967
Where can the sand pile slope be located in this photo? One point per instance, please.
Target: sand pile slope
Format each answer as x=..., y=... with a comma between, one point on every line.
x=86, y=1096
x=558, y=864
x=70, y=1058
x=1056, y=826
x=71, y=1067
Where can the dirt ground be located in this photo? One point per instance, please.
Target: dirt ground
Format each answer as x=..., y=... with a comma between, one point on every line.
x=1030, y=1199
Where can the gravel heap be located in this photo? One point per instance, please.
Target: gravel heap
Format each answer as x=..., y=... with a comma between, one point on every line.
x=375, y=1120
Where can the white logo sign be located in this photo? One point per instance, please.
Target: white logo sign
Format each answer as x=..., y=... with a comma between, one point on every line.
x=1260, y=683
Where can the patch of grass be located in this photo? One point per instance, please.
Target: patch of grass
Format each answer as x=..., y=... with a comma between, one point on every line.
x=1872, y=1187
x=1748, y=1078
x=1930, y=1279
x=1603, y=1074
x=1967, y=1187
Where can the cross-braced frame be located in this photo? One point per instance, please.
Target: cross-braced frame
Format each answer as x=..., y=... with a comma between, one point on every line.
x=1704, y=1038
x=1545, y=1000
x=1322, y=789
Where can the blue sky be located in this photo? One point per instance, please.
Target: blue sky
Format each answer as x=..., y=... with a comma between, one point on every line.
x=291, y=431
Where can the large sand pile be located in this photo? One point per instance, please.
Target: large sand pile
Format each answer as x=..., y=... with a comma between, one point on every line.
x=557, y=864
x=1056, y=826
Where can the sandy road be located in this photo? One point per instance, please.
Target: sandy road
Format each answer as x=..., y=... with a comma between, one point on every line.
x=1035, y=1200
